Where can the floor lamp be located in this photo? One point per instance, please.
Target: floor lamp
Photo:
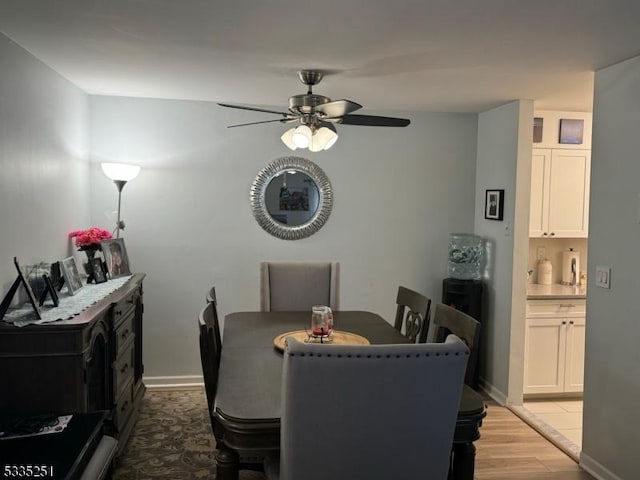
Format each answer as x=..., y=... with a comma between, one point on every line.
x=120, y=173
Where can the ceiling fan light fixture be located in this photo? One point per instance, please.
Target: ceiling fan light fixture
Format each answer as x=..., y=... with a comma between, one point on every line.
x=287, y=139
x=327, y=137
x=301, y=136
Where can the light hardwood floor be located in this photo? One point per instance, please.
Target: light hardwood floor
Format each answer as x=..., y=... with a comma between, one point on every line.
x=509, y=449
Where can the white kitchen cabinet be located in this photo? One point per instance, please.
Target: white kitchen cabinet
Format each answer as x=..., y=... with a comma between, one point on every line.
x=554, y=346
x=559, y=193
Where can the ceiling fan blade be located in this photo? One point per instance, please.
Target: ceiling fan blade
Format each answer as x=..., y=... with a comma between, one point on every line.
x=281, y=120
x=254, y=109
x=373, y=121
x=337, y=108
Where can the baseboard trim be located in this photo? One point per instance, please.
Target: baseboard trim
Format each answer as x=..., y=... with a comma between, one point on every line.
x=593, y=467
x=499, y=397
x=182, y=382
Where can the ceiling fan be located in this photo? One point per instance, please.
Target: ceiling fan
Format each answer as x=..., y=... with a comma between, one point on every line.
x=316, y=115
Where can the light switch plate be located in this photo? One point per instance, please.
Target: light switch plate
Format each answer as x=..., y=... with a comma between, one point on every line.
x=603, y=276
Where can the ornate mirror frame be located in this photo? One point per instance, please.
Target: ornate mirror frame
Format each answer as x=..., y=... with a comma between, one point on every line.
x=259, y=206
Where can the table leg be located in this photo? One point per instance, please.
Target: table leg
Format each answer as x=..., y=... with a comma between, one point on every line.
x=227, y=463
x=464, y=458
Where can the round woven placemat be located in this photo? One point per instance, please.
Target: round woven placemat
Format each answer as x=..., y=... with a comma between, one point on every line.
x=337, y=338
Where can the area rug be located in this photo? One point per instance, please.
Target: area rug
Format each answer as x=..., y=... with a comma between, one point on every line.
x=172, y=439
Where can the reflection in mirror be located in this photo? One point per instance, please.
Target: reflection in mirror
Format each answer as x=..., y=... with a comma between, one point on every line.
x=291, y=198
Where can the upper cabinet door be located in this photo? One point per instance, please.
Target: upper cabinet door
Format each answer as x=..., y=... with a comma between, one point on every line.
x=539, y=206
x=559, y=205
x=569, y=193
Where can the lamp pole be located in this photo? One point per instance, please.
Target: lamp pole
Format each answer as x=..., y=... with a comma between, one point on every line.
x=120, y=224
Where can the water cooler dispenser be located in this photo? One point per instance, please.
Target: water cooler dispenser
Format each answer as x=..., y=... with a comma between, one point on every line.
x=463, y=289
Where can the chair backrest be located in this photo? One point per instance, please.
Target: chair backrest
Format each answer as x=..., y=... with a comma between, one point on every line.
x=210, y=351
x=447, y=320
x=296, y=286
x=377, y=411
x=211, y=296
x=412, y=314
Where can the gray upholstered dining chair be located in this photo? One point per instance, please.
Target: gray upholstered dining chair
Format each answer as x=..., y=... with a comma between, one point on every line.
x=292, y=286
x=369, y=412
x=412, y=314
x=448, y=320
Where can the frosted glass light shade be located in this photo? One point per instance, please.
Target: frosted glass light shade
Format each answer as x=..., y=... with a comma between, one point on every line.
x=302, y=136
x=120, y=171
x=288, y=140
x=327, y=137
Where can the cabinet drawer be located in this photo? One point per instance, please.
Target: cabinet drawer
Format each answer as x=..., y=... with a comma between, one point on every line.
x=563, y=308
x=123, y=370
x=123, y=333
x=125, y=306
x=124, y=406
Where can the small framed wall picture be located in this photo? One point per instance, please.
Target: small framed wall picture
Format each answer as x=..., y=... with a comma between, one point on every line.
x=97, y=270
x=71, y=275
x=571, y=131
x=494, y=204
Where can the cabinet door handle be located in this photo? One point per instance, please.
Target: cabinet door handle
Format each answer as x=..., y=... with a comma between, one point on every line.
x=571, y=322
x=125, y=334
x=544, y=234
x=118, y=312
x=126, y=366
x=125, y=405
x=551, y=234
x=564, y=322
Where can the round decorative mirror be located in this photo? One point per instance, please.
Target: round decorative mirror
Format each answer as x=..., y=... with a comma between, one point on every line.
x=291, y=198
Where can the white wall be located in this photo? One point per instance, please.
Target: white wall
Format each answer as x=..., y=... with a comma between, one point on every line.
x=398, y=193
x=44, y=188
x=612, y=384
x=504, y=162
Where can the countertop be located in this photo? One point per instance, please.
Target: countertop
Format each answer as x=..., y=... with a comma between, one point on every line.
x=545, y=292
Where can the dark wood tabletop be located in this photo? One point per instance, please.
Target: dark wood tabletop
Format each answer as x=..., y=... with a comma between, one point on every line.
x=249, y=383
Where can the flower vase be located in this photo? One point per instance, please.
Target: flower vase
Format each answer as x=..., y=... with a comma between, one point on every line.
x=91, y=253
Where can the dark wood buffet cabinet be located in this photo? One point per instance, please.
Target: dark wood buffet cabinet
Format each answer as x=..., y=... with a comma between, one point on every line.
x=91, y=363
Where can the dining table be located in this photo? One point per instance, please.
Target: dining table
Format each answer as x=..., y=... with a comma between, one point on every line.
x=248, y=400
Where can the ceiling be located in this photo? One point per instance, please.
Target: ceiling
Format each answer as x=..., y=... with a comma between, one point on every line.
x=416, y=55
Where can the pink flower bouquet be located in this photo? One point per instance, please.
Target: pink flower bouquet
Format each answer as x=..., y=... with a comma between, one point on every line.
x=90, y=238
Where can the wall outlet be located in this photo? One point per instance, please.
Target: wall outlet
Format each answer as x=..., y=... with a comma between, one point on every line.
x=603, y=276
x=540, y=253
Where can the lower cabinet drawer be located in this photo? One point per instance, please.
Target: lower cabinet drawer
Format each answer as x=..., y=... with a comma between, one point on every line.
x=124, y=406
x=566, y=307
x=123, y=370
x=123, y=333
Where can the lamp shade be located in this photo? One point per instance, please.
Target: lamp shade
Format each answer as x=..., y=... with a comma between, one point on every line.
x=302, y=136
x=327, y=137
x=287, y=139
x=120, y=171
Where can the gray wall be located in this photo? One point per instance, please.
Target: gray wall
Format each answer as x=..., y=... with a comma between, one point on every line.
x=398, y=194
x=44, y=189
x=504, y=162
x=612, y=384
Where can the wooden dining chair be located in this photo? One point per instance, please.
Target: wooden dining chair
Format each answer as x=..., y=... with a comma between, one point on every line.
x=296, y=286
x=447, y=320
x=341, y=420
x=412, y=314
x=210, y=353
x=211, y=295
